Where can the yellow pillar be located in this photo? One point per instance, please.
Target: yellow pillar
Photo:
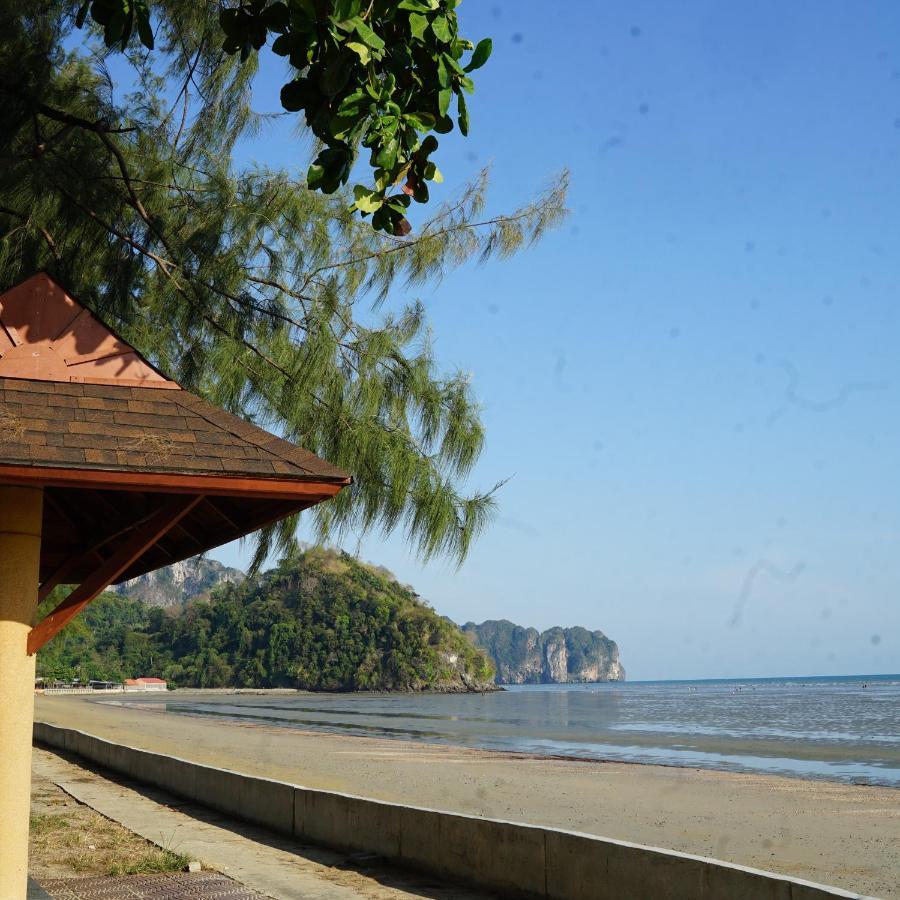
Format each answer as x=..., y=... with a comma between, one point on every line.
x=20, y=550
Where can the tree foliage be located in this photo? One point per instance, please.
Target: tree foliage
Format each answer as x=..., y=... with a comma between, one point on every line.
x=267, y=298
x=380, y=74
x=320, y=620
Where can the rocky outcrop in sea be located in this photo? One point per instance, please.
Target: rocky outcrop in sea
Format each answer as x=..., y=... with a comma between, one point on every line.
x=556, y=656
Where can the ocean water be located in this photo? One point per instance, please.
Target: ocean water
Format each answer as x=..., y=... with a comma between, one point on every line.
x=839, y=728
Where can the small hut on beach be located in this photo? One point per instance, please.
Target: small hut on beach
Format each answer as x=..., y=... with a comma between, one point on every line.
x=108, y=470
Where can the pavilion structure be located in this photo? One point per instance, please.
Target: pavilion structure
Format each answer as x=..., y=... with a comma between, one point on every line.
x=108, y=470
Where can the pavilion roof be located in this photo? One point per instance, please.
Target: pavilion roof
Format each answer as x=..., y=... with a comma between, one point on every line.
x=137, y=472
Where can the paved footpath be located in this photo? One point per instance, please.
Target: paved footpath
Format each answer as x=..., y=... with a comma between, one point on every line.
x=264, y=862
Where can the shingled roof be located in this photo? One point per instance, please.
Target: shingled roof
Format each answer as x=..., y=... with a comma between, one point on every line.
x=73, y=393
x=152, y=430
x=124, y=454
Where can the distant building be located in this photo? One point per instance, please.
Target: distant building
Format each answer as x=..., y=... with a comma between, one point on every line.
x=96, y=685
x=76, y=686
x=145, y=684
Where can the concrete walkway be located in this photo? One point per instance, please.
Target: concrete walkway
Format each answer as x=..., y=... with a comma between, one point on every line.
x=274, y=866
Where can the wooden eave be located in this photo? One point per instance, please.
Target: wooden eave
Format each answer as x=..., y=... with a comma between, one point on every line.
x=312, y=489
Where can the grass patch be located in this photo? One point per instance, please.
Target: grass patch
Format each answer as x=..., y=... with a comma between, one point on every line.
x=153, y=863
x=86, y=843
x=44, y=824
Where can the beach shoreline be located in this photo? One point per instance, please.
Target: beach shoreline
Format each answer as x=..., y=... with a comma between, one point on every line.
x=835, y=833
x=141, y=705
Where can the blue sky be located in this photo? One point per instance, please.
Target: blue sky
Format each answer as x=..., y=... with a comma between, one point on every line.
x=693, y=383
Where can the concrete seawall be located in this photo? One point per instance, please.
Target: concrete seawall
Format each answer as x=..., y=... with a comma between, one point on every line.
x=510, y=858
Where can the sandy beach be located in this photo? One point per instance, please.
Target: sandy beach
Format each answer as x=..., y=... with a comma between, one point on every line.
x=839, y=834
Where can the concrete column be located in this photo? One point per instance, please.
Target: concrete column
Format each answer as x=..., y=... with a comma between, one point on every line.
x=20, y=551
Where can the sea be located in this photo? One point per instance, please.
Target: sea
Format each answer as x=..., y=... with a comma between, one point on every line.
x=843, y=728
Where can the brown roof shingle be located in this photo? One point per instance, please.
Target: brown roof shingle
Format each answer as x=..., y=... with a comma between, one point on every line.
x=152, y=430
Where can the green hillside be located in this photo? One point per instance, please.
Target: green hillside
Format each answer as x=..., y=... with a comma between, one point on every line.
x=321, y=621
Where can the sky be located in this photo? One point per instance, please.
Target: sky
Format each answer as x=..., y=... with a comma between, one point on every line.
x=692, y=384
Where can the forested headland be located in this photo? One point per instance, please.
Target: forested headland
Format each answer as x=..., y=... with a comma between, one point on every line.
x=320, y=620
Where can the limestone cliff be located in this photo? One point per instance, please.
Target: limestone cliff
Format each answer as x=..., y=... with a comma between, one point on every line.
x=176, y=585
x=556, y=656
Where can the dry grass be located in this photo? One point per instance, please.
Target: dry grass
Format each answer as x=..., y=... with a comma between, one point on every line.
x=157, y=446
x=79, y=841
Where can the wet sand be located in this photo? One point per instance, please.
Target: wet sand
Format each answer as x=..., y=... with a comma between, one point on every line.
x=838, y=834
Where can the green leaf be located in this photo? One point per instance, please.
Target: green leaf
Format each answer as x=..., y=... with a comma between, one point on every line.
x=336, y=73
x=433, y=173
x=463, y=111
x=444, y=125
x=481, y=55
x=367, y=201
x=314, y=176
x=346, y=9
x=389, y=125
x=345, y=121
x=417, y=25
x=382, y=180
x=381, y=221
x=443, y=73
x=387, y=156
x=282, y=45
x=116, y=29
x=444, y=98
x=228, y=22
x=441, y=28
x=399, y=202
x=298, y=94
x=421, y=121
x=467, y=85
x=335, y=163
x=366, y=33
x=352, y=102
x=453, y=64
x=145, y=32
x=361, y=50
x=82, y=14
x=276, y=17
x=303, y=12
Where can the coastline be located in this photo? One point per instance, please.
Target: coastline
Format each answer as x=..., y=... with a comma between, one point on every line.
x=486, y=688
x=840, y=834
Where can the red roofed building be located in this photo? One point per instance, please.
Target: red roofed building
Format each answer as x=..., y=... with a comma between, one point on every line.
x=145, y=684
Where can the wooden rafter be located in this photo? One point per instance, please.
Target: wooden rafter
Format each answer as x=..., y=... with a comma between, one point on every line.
x=64, y=571
x=138, y=542
x=210, y=502
x=59, y=576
